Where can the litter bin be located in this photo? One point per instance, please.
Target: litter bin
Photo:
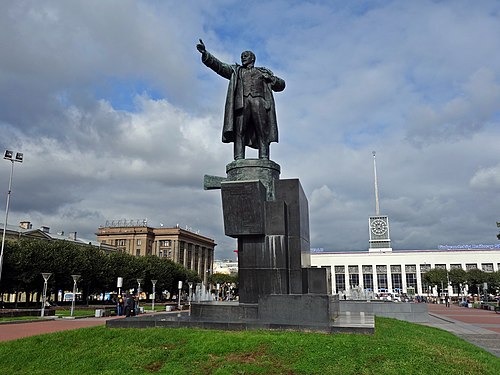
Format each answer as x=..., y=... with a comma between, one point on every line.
x=168, y=308
x=98, y=313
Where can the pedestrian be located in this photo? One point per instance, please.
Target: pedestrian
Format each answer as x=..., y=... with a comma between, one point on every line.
x=119, y=305
x=129, y=305
x=447, y=300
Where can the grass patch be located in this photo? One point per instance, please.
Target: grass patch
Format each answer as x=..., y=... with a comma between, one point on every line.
x=76, y=312
x=16, y=318
x=396, y=348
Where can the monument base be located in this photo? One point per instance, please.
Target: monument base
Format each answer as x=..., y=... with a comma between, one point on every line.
x=308, y=313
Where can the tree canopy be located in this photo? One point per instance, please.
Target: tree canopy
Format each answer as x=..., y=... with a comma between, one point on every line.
x=474, y=278
x=26, y=259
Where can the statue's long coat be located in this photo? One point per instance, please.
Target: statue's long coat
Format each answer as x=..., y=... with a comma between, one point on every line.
x=234, y=102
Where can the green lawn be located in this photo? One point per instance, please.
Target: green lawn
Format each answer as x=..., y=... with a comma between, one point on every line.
x=396, y=348
x=76, y=312
x=59, y=313
x=16, y=318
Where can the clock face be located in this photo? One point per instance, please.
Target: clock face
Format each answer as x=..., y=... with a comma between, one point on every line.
x=379, y=227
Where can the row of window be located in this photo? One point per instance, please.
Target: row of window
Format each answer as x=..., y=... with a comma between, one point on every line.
x=382, y=283
x=162, y=243
x=410, y=268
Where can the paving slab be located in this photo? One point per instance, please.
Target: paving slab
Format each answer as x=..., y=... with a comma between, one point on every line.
x=479, y=327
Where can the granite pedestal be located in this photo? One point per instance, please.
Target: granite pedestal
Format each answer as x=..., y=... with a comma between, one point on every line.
x=278, y=289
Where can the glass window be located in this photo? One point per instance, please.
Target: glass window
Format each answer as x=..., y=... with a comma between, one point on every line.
x=339, y=282
x=396, y=282
x=368, y=281
x=411, y=281
x=487, y=267
x=382, y=282
x=425, y=267
x=353, y=280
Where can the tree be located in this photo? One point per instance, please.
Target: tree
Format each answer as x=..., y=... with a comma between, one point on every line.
x=26, y=259
x=475, y=280
x=437, y=277
x=221, y=278
x=457, y=277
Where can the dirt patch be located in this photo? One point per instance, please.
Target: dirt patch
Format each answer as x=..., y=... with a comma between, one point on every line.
x=154, y=367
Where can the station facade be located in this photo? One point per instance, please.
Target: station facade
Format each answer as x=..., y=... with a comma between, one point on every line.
x=400, y=271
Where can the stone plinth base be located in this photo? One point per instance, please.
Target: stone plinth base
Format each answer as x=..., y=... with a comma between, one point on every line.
x=265, y=171
x=307, y=313
x=410, y=312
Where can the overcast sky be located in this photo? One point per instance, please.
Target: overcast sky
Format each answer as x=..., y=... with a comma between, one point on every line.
x=118, y=118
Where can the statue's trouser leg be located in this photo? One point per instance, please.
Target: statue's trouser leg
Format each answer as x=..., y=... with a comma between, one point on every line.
x=239, y=142
x=259, y=115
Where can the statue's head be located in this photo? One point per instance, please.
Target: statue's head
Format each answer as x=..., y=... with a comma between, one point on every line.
x=247, y=58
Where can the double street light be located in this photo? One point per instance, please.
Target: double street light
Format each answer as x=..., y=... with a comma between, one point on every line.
x=9, y=155
x=75, y=280
x=46, y=276
x=154, y=294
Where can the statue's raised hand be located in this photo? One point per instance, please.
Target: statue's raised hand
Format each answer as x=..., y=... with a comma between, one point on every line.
x=201, y=47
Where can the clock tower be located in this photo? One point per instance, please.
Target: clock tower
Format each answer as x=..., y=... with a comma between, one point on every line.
x=379, y=234
x=380, y=241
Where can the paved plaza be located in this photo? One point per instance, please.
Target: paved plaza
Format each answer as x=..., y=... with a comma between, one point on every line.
x=479, y=327
x=20, y=329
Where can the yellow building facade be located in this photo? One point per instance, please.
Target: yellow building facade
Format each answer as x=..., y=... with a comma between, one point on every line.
x=192, y=250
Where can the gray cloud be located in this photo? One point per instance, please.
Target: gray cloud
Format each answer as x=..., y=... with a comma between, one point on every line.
x=118, y=118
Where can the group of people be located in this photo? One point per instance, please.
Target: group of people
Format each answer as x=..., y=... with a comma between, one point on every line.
x=126, y=305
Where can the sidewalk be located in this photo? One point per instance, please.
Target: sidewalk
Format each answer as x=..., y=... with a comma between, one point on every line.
x=19, y=329
x=479, y=327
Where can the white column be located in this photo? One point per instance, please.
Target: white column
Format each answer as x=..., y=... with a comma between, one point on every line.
x=403, y=277
x=346, y=277
x=360, y=275
x=389, y=279
x=375, y=279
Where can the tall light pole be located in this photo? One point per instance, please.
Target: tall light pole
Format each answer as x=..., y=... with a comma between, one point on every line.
x=46, y=276
x=9, y=155
x=75, y=279
x=179, y=286
x=190, y=284
x=139, y=281
x=154, y=294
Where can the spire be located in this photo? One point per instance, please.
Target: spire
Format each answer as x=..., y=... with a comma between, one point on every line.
x=377, y=206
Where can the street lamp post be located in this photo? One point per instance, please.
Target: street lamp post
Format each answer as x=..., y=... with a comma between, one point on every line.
x=190, y=283
x=119, y=284
x=46, y=276
x=154, y=294
x=75, y=279
x=9, y=155
x=139, y=281
x=179, y=295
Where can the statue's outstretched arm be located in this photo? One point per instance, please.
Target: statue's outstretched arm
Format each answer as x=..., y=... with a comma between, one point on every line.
x=222, y=69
